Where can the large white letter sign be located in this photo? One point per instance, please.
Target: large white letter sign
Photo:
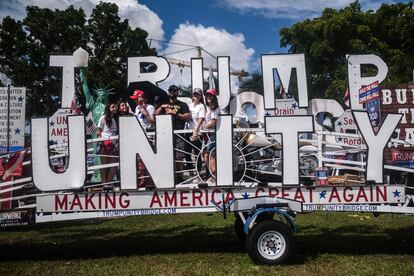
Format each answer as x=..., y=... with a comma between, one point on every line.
x=133, y=141
x=134, y=69
x=355, y=79
x=68, y=77
x=284, y=64
x=223, y=74
x=376, y=143
x=236, y=104
x=197, y=73
x=43, y=177
x=289, y=127
x=224, y=150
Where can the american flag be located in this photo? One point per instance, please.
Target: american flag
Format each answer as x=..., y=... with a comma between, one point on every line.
x=74, y=106
x=90, y=125
x=282, y=91
x=346, y=98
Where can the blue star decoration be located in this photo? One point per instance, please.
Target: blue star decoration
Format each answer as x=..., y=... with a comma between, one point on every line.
x=20, y=99
x=322, y=195
x=17, y=131
x=294, y=105
x=339, y=139
x=339, y=123
x=51, y=123
x=245, y=195
x=396, y=193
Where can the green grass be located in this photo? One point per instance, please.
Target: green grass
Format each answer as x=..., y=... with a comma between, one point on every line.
x=327, y=244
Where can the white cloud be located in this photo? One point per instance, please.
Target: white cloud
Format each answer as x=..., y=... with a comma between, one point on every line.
x=298, y=9
x=218, y=42
x=12, y=8
x=138, y=15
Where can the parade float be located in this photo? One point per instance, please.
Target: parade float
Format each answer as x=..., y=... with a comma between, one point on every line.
x=295, y=156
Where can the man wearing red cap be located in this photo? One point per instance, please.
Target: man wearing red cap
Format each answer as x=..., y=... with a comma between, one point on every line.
x=145, y=115
x=143, y=111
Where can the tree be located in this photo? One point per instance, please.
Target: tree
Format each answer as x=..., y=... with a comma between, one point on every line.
x=327, y=39
x=253, y=83
x=25, y=47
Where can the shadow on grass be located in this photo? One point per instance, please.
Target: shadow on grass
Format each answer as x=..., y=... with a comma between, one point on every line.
x=82, y=242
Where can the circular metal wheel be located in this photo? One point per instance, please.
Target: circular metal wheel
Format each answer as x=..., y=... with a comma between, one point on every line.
x=270, y=242
x=308, y=166
x=271, y=245
x=238, y=166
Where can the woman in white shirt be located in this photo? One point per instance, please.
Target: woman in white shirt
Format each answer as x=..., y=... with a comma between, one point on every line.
x=210, y=122
x=107, y=127
x=198, y=112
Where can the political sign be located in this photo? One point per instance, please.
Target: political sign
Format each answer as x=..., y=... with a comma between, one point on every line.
x=12, y=118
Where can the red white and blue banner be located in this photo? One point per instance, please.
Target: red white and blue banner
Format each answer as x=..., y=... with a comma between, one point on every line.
x=202, y=200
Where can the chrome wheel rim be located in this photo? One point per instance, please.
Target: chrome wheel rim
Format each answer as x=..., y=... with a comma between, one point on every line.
x=271, y=245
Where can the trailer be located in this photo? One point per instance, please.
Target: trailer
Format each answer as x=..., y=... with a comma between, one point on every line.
x=267, y=173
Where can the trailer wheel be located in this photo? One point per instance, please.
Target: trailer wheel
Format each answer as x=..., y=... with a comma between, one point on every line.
x=270, y=242
x=238, y=229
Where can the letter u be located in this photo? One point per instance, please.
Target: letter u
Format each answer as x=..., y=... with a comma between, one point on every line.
x=44, y=178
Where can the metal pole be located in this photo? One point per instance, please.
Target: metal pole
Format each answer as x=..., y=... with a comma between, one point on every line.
x=8, y=118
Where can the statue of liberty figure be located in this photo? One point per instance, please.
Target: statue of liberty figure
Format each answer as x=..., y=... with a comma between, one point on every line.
x=96, y=107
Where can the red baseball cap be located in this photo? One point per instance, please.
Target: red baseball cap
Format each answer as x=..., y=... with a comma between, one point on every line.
x=212, y=92
x=137, y=94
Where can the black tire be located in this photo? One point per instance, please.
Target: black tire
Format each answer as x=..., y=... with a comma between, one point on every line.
x=238, y=229
x=270, y=242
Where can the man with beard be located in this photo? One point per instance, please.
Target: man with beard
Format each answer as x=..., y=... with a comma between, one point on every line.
x=180, y=115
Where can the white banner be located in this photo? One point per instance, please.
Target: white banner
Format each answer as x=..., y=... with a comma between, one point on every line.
x=202, y=200
x=13, y=140
x=58, y=126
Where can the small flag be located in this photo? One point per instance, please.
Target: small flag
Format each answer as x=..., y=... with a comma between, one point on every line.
x=74, y=107
x=282, y=91
x=346, y=97
x=90, y=125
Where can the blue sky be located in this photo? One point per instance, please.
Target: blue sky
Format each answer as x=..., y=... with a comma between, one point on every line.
x=241, y=29
x=261, y=33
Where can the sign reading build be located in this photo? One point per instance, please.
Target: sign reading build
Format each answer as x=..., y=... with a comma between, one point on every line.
x=12, y=115
x=399, y=99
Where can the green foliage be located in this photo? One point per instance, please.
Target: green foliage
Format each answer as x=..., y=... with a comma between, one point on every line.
x=253, y=83
x=26, y=45
x=326, y=40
